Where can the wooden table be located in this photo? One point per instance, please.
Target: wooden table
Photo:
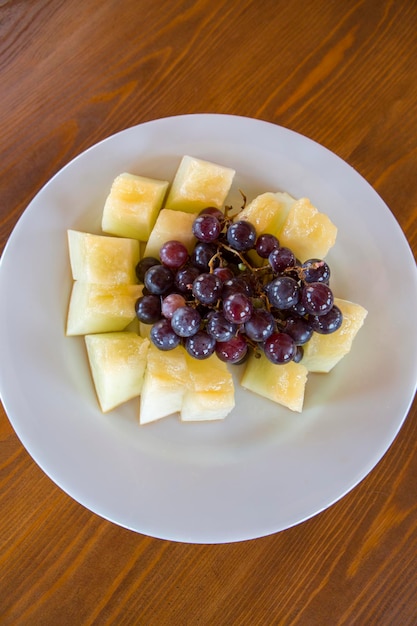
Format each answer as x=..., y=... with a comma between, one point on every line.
x=341, y=73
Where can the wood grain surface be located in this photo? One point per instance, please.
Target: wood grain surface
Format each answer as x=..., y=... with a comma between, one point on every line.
x=342, y=73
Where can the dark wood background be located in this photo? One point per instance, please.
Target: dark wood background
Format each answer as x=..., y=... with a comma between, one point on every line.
x=343, y=73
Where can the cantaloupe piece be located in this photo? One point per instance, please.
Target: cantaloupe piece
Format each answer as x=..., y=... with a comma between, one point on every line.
x=171, y=225
x=102, y=259
x=323, y=352
x=101, y=308
x=267, y=212
x=132, y=205
x=199, y=184
x=117, y=362
x=284, y=384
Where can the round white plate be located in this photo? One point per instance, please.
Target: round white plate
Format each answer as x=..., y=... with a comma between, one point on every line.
x=264, y=468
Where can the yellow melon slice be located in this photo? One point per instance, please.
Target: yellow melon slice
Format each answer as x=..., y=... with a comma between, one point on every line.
x=323, y=352
x=132, y=206
x=171, y=225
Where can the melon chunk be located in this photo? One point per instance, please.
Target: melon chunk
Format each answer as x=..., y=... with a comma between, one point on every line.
x=267, y=212
x=210, y=390
x=101, y=308
x=101, y=259
x=132, y=206
x=323, y=352
x=163, y=384
x=284, y=384
x=198, y=184
x=117, y=362
x=171, y=225
x=307, y=232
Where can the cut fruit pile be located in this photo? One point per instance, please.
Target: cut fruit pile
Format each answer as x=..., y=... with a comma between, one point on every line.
x=208, y=290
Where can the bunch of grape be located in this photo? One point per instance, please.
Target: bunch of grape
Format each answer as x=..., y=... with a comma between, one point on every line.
x=215, y=301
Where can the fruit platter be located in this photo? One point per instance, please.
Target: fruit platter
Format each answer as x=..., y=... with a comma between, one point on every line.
x=220, y=452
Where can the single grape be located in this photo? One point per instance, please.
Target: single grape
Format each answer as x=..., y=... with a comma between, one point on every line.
x=143, y=265
x=260, y=326
x=148, y=309
x=186, y=321
x=171, y=303
x=299, y=353
x=158, y=279
x=219, y=328
x=202, y=255
x=283, y=292
x=207, y=288
x=281, y=258
x=280, y=348
x=232, y=351
x=201, y=345
x=317, y=298
x=265, y=244
x=206, y=228
x=299, y=329
x=173, y=254
x=212, y=210
x=316, y=271
x=237, y=308
x=236, y=285
x=185, y=277
x=224, y=273
x=327, y=323
x=163, y=336
x=241, y=235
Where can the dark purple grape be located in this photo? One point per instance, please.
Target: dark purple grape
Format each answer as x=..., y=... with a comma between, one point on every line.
x=185, y=277
x=299, y=329
x=260, y=326
x=173, y=254
x=186, y=321
x=212, y=210
x=206, y=228
x=207, y=288
x=280, y=348
x=317, y=298
x=283, y=292
x=327, y=323
x=232, y=351
x=148, y=309
x=202, y=255
x=143, y=266
x=159, y=279
x=265, y=244
x=281, y=258
x=163, y=336
x=171, y=303
x=316, y=271
x=224, y=273
x=299, y=353
x=201, y=345
x=219, y=328
x=236, y=285
x=237, y=308
x=241, y=236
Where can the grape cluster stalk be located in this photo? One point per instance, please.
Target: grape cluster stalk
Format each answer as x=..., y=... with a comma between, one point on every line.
x=216, y=301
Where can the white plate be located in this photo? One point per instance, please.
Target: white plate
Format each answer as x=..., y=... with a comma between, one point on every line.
x=264, y=468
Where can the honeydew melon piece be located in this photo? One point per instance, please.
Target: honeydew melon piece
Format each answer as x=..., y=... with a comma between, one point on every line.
x=164, y=384
x=101, y=308
x=198, y=184
x=323, y=352
x=307, y=232
x=171, y=225
x=117, y=362
x=267, y=212
x=210, y=390
x=132, y=205
x=101, y=259
x=284, y=384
